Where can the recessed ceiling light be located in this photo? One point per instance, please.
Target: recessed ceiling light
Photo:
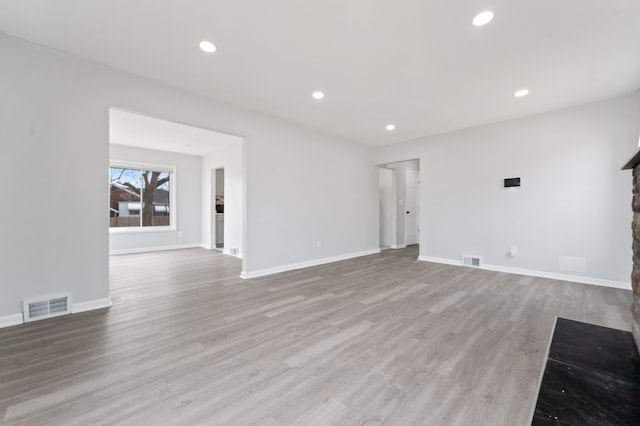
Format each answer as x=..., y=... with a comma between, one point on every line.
x=390, y=127
x=482, y=18
x=207, y=46
x=521, y=93
x=318, y=95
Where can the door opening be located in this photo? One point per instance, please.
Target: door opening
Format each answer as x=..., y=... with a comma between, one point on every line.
x=411, y=208
x=399, y=204
x=217, y=214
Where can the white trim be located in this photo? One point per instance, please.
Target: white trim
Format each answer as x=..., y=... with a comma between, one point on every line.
x=137, y=165
x=542, y=274
x=561, y=277
x=398, y=246
x=91, y=305
x=11, y=320
x=18, y=319
x=228, y=252
x=307, y=264
x=141, y=229
x=440, y=260
x=173, y=186
x=161, y=248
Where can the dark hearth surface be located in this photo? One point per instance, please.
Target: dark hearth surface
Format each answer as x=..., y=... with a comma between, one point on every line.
x=592, y=377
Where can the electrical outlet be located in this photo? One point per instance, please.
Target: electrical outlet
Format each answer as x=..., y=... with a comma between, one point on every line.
x=318, y=243
x=513, y=251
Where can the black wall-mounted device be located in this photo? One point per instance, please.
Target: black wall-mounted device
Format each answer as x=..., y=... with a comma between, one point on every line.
x=508, y=183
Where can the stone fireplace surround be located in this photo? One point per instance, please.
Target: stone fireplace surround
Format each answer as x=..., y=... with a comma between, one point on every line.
x=634, y=164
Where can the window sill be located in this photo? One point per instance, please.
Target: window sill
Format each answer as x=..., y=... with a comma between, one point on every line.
x=144, y=230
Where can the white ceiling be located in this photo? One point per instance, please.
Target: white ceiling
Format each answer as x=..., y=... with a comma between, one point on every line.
x=131, y=129
x=417, y=63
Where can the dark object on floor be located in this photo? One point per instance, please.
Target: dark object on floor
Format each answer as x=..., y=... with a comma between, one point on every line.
x=592, y=377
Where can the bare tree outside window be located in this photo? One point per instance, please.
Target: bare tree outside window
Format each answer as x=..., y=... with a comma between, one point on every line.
x=139, y=198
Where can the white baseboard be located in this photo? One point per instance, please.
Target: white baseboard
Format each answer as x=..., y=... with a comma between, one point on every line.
x=534, y=273
x=398, y=246
x=11, y=320
x=91, y=305
x=161, y=248
x=17, y=319
x=307, y=264
x=440, y=260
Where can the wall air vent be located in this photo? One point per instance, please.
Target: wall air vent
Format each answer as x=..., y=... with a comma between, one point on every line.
x=46, y=307
x=474, y=261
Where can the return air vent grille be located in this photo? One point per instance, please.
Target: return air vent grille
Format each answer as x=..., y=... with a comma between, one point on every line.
x=474, y=261
x=46, y=307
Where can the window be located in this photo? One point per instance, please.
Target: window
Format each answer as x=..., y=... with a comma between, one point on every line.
x=141, y=196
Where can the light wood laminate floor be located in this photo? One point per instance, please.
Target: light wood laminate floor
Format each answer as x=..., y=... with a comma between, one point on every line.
x=382, y=339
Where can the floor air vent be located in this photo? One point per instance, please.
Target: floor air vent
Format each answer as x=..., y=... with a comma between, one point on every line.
x=46, y=307
x=474, y=261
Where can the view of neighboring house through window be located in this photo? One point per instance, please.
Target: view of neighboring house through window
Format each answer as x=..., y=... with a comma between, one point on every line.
x=139, y=197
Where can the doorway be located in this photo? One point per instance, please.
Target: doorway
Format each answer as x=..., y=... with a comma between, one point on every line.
x=411, y=208
x=399, y=184
x=217, y=213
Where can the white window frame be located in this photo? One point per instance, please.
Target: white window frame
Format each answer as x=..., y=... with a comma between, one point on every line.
x=173, y=217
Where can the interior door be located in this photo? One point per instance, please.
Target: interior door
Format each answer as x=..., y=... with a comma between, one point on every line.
x=411, y=208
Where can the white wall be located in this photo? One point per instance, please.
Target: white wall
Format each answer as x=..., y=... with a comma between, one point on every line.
x=309, y=197
x=187, y=210
x=387, y=207
x=574, y=200
x=229, y=158
x=300, y=186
